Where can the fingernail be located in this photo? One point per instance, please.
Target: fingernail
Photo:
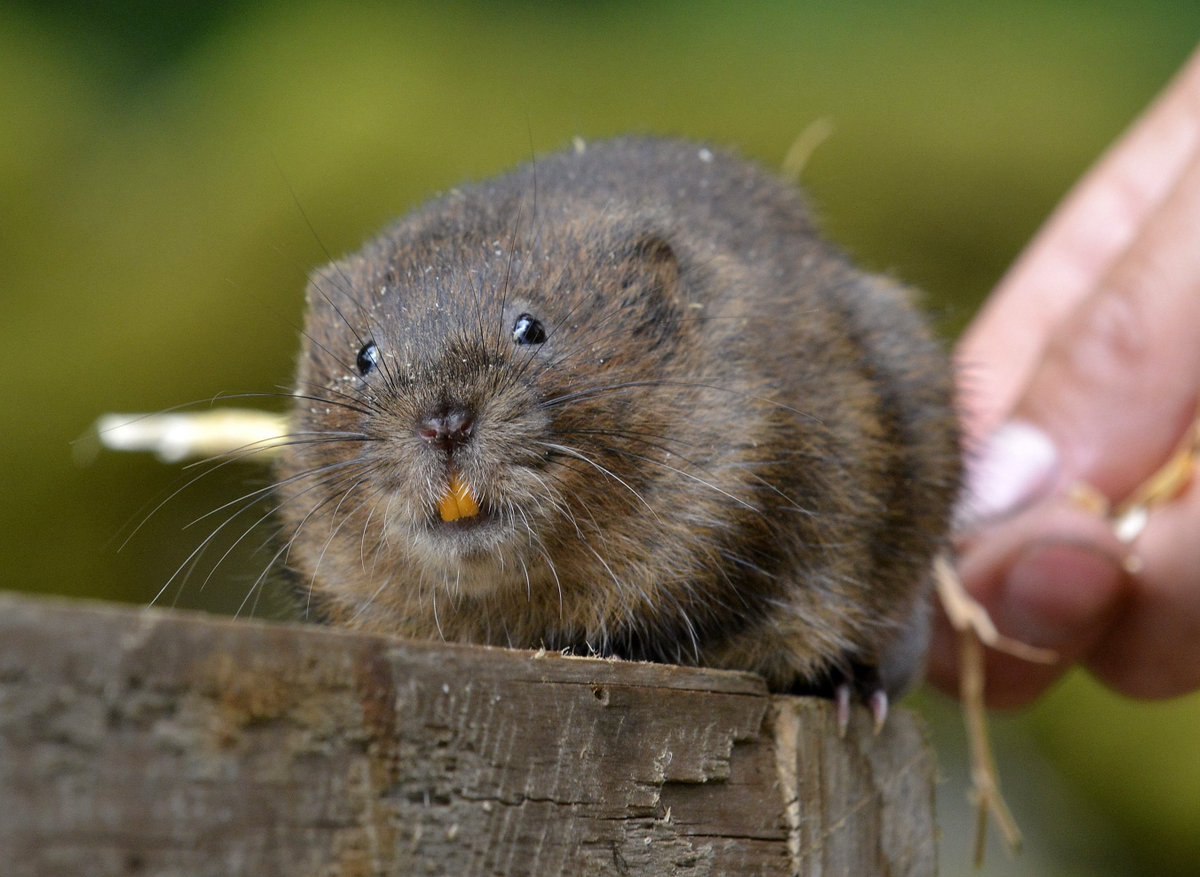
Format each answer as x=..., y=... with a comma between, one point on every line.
x=1016, y=465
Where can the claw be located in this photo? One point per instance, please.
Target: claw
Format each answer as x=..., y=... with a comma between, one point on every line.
x=841, y=696
x=878, y=703
x=846, y=683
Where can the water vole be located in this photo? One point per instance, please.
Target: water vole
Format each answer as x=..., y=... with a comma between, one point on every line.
x=624, y=401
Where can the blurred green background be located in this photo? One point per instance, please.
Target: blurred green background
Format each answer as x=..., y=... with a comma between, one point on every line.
x=160, y=165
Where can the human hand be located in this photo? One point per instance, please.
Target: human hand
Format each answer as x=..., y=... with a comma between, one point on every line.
x=1084, y=368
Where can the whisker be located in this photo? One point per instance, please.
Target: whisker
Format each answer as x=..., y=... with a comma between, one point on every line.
x=571, y=452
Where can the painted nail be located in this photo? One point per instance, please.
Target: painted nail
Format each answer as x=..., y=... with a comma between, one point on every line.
x=1017, y=464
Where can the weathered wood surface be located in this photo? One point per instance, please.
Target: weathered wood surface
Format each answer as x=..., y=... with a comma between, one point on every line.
x=139, y=742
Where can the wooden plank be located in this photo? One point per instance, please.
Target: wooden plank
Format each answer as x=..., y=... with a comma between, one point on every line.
x=149, y=742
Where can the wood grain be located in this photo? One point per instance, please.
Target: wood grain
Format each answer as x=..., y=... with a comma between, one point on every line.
x=149, y=742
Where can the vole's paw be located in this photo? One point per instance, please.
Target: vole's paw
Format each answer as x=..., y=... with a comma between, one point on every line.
x=859, y=681
x=846, y=683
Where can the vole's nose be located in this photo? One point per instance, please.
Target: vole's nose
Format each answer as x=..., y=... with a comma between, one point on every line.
x=447, y=427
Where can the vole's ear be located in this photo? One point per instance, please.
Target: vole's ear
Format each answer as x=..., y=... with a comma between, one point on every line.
x=651, y=288
x=652, y=265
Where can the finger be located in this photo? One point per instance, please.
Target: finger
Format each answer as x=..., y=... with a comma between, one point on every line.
x=1154, y=649
x=1118, y=383
x=1081, y=241
x=1051, y=578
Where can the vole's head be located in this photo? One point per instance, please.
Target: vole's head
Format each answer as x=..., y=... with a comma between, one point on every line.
x=473, y=399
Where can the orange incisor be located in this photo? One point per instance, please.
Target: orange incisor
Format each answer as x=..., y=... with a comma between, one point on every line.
x=458, y=502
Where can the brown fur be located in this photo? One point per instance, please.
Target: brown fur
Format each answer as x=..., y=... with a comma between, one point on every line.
x=733, y=449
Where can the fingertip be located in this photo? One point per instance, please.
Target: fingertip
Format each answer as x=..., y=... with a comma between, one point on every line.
x=1016, y=464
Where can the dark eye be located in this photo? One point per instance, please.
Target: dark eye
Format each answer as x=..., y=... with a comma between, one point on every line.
x=368, y=358
x=528, y=330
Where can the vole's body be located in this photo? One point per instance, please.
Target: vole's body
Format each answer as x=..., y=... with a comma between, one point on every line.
x=731, y=448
